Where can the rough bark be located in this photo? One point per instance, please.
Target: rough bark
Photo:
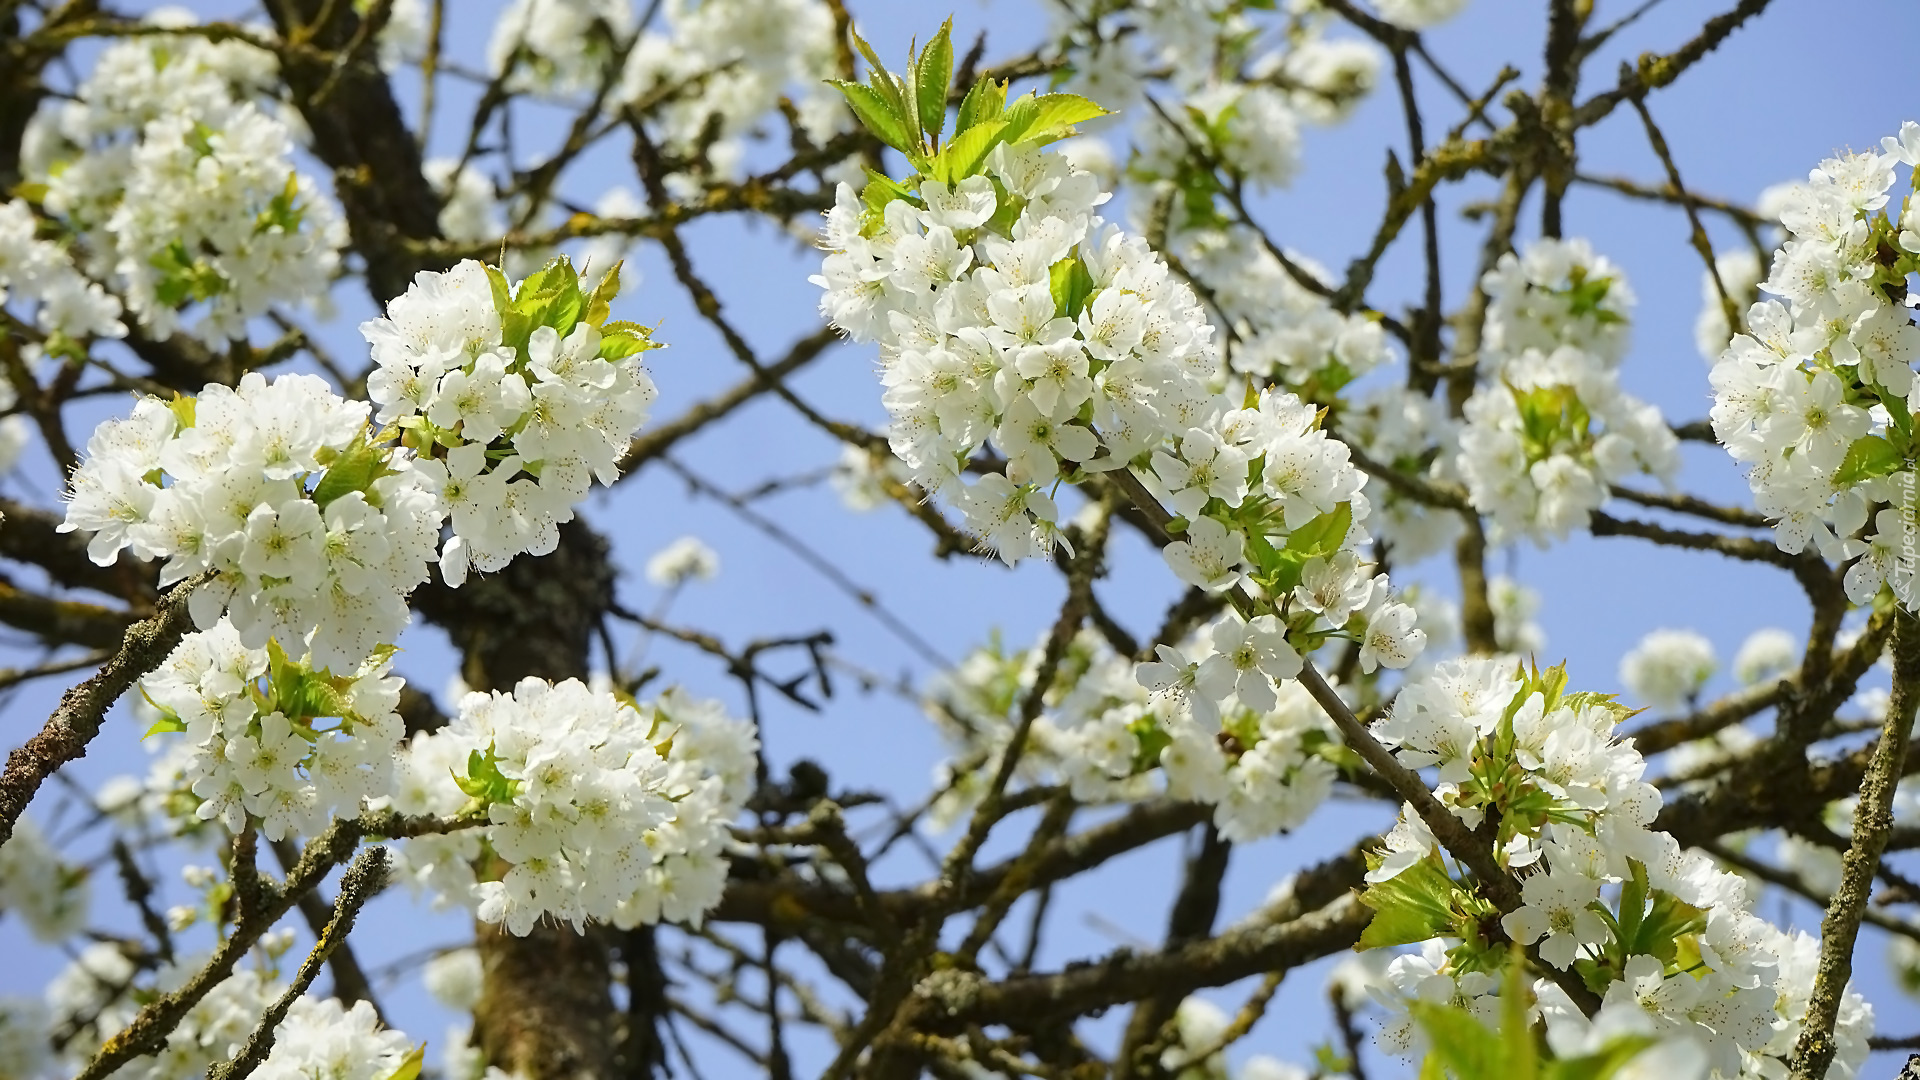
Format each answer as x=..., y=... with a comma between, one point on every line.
x=546, y=1010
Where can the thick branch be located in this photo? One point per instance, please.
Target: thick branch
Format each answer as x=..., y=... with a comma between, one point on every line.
x=77, y=720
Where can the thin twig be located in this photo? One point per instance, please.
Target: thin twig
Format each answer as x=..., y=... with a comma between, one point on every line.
x=362, y=881
x=1872, y=821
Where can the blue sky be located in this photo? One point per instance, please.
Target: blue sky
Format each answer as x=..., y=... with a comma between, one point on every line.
x=1794, y=86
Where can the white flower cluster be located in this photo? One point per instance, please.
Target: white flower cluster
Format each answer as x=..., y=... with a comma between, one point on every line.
x=1767, y=654
x=273, y=739
x=560, y=46
x=1549, y=428
x=40, y=889
x=1250, y=78
x=1740, y=273
x=1070, y=346
x=183, y=185
x=1557, y=293
x=1406, y=430
x=66, y=303
x=1263, y=761
x=1668, y=668
x=1199, y=1026
x=721, y=66
x=1419, y=14
x=322, y=1038
x=101, y=992
x=975, y=346
x=1249, y=127
x=1813, y=397
x=317, y=527
x=686, y=559
x=605, y=810
x=1677, y=940
x=101, y=986
x=316, y=536
x=515, y=402
x=24, y=1023
x=1514, y=606
x=1284, y=334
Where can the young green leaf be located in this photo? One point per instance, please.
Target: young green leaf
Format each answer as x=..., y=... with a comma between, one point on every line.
x=409, y=1067
x=1071, y=285
x=502, y=289
x=168, y=722
x=933, y=72
x=1868, y=457
x=891, y=91
x=882, y=189
x=1601, y=1066
x=985, y=101
x=619, y=340
x=357, y=467
x=1322, y=536
x=1412, y=906
x=1461, y=1043
x=876, y=114
x=1049, y=117
x=967, y=153
x=546, y=281
x=600, y=304
x=1522, y=1054
x=183, y=408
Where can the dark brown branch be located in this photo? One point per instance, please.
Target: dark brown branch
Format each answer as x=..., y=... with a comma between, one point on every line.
x=362, y=881
x=77, y=720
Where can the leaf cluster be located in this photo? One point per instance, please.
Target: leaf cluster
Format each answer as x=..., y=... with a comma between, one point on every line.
x=909, y=113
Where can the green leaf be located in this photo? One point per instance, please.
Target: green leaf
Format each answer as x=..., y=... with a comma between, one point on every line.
x=876, y=114
x=284, y=211
x=985, y=100
x=1048, y=117
x=600, y=304
x=409, y=1067
x=546, y=281
x=168, y=722
x=1516, y=1033
x=200, y=139
x=355, y=469
x=967, y=154
x=484, y=781
x=883, y=81
x=184, y=278
x=933, y=73
x=1633, y=905
x=1150, y=737
x=299, y=692
x=1585, y=295
x=1412, y=906
x=1322, y=536
x=619, y=340
x=1666, y=922
x=183, y=407
x=551, y=296
x=1020, y=116
x=882, y=189
x=502, y=289
x=1460, y=1042
x=1601, y=1066
x=563, y=312
x=1868, y=457
x=1550, y=415
x=1071, y=285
